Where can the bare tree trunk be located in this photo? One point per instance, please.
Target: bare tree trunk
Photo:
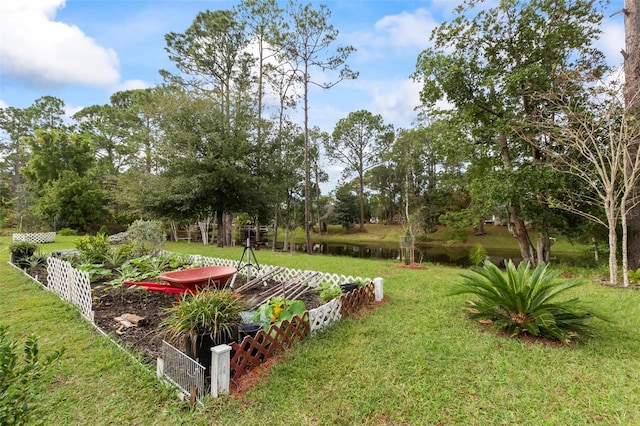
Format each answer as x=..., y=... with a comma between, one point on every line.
x=276, y=224
x=204, y=229
x=544, y=248
x=518, y=229
x=361, y=197
x=516, y=225
x=625, y=245
x=631, y=56
x=220, y=229
x=307, y=167
x=228, y=229
x=174, y=231
x=613, y=244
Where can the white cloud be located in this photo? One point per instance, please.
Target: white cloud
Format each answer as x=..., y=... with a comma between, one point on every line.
x=42, y=51
x=394, y=34
x=3, y=104
x=396, y=101
x=405, y=29
x=612, y=41
x=132, y=85
x=70, y=110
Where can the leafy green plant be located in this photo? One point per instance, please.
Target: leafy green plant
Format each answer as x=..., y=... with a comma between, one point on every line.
x=21, y=251
x=96, y=270
x=278, y=309
x=478, y=254
x=36, y=260
x=148, y=237
x=67, y=232
x=522, y=301
x=216, y=313
x=17, y=379
x=149, y=267
x=22, y=248
x=93, y=248
x=328, y=291
x=127, y=272
x=457, y=223
x=114, y=259
x=634, y=276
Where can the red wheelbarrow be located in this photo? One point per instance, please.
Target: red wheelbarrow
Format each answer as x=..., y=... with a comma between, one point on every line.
x=189, y=281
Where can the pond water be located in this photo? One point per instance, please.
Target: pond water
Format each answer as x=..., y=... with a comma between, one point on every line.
x=454, y=256
x=451, y=256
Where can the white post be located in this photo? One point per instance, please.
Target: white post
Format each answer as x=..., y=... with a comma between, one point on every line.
x=69, y=284
x=159, y=367
x=220, y=370
x=378, y=288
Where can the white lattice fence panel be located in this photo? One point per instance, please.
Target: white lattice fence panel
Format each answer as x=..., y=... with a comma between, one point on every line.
x=211, y=261
x=70, y=284
x=36, y=237
x=324, y=316
x=284, y=275
x=81, y=293
x=342, y=279
x=58, y=275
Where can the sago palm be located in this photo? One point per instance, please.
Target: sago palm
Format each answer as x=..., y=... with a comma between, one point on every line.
x=522, y=301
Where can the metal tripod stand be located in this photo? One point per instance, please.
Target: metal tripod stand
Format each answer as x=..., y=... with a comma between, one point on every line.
x=248, y=265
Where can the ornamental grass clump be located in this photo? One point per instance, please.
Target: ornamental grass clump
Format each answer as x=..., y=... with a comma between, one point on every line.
x=213, y=312
x=521, y=301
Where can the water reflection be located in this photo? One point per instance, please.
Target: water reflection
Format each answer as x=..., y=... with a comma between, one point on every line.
x=434, y=254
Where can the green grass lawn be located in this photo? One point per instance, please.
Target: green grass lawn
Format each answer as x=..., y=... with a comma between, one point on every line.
x=416, y=359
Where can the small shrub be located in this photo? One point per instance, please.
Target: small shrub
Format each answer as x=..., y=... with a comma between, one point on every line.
x=118, y=255
x=103, y=230
x=17, y=379
x=328, y=291
x=148, y=237
x=21, y=251
x=93, y=248
x=634, y=276
x=522, y=301
x=278, y=309
x=457, y=224
x=67, y=232
x=478, y=254
x=23, y=248
x=38, y=260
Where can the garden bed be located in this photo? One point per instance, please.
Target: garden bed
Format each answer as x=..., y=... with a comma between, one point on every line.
x=111, y=302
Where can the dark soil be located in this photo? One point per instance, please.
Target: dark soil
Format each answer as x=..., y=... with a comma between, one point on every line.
x=111, y=302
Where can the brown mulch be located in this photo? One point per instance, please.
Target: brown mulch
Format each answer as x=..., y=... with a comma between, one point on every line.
x=147, y=340
x=410, y=266
x=253, y=377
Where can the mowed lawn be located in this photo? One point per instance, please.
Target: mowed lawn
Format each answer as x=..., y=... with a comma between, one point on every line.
x=415, y=359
